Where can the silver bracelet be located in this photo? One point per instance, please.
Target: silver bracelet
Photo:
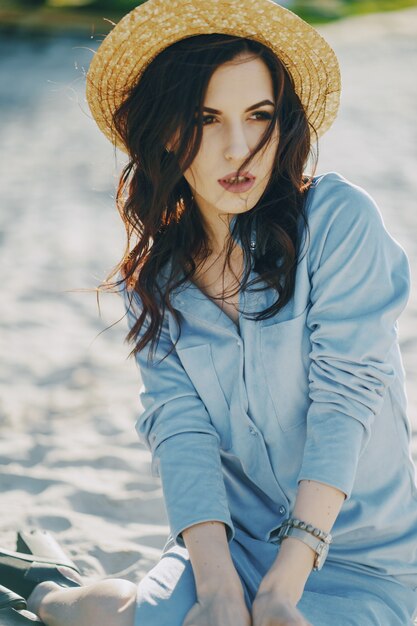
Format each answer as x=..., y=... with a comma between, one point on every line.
x=317, y=532
x=320, y=547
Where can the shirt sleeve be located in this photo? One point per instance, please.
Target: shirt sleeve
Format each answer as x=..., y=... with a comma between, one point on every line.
x=175, y=426
x=360, y=283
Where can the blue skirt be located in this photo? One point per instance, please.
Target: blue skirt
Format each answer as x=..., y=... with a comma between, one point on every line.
x=334, y=595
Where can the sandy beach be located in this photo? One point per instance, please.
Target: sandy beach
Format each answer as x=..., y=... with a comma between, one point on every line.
x=70, y=458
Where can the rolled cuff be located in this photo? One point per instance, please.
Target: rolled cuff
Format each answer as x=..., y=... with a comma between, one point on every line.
x=189, y=466
x=333, y=447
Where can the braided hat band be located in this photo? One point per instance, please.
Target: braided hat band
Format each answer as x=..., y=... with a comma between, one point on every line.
x=153, y=26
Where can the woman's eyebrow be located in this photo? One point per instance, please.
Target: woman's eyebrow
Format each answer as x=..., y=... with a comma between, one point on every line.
x=251, y=108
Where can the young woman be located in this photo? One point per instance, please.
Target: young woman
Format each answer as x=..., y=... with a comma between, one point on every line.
x=262, y=305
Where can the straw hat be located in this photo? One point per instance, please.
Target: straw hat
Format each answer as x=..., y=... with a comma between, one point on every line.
x=151, y=27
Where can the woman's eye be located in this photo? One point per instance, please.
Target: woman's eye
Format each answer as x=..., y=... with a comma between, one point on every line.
x=207, y=118
x=262, y=115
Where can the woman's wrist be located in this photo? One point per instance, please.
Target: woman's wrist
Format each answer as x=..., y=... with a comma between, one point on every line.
x=291, y=569
x=213, y=567
x=229, y=585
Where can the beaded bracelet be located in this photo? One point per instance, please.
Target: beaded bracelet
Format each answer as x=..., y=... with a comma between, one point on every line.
x=320, y=534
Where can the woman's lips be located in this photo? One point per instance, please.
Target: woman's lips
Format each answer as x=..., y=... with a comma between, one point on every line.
x=238, y=187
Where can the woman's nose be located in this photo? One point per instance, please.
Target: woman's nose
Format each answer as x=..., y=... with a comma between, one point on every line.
x=237, y=147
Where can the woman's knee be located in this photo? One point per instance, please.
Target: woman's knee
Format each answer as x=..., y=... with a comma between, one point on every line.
x=111, y=602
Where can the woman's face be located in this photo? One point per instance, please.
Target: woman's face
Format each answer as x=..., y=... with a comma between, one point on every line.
x=233, y=126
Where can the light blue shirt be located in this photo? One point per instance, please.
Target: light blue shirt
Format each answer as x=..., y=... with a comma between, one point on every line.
x=235, y=416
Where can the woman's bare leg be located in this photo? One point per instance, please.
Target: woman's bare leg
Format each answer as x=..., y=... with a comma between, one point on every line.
x=111, y=602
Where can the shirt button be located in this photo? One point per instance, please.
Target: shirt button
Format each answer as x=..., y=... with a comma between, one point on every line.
x=282, y=510
x=252, y=431
x=239, y=343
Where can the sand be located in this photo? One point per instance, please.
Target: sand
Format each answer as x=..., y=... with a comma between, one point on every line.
x=70, y=458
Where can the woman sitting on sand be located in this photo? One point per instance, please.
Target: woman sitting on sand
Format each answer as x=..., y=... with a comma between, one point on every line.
x=262, y=306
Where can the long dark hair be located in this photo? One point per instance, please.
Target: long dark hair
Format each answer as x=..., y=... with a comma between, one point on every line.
x=163, y=224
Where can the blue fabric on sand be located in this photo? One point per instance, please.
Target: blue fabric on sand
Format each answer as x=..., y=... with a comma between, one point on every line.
x=242, y=413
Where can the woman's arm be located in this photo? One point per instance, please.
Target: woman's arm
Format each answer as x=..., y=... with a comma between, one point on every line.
x=219, y=590
x=316, y=504
x=360, y=281
x=210, y=558
x=176, y=427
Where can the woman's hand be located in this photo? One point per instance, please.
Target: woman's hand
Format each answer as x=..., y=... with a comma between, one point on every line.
x=219, y=608
x=276, y=600
x=270, y=608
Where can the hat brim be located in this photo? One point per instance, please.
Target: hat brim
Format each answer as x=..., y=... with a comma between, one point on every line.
x=153, y=26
